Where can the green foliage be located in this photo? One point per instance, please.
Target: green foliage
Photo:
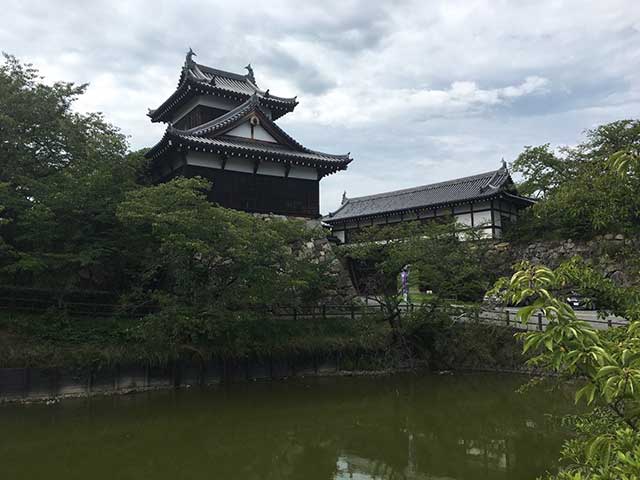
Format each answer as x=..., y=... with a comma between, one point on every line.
x=442, y=256
x=626, y=160
x=63, y=174
x=55, y=340
x=77, y=213
x=604, y=448
x=581, y=191
x=543, y=171
x=196, y=254
x=436, y=253
x=607, y=362
x=439, y=336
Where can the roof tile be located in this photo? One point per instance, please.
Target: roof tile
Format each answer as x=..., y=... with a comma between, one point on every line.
x=483, y=185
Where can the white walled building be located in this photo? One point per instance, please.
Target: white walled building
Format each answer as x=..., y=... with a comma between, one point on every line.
x=487, y=201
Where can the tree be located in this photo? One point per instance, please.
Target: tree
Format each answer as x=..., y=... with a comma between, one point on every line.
x=580, y=194
x=214, y=273
x=607, y=363
x=442, y=256
x=207, y=257
x=626, y=161
x=63, y=173
x=542, y=169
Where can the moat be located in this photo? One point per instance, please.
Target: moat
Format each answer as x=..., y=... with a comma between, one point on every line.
x=462, y=426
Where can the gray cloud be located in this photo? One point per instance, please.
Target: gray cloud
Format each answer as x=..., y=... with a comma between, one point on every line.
x=417, y=91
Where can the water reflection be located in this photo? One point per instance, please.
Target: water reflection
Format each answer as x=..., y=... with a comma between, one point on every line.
x=452, y=427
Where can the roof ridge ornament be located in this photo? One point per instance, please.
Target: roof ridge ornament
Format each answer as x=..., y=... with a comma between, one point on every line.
x=189, y=57
x=344, y=198
x=250, y=74
x=489, y=184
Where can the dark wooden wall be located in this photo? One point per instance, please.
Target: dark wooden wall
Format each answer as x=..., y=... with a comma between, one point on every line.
x=262, y=193
x=199, y=115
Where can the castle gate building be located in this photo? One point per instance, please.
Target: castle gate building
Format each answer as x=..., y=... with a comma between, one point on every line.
x=487, y=201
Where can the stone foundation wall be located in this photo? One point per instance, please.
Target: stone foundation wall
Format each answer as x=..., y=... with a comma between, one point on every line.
x=613, y=255
x=321, y=251
x=38, y=384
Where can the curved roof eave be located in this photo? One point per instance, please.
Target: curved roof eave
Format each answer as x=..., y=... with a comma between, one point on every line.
x=192, y=86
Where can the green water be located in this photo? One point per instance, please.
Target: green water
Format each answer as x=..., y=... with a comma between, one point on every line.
x=405, y=427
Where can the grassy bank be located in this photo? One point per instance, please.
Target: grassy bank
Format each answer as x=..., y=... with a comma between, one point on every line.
x=56, y=340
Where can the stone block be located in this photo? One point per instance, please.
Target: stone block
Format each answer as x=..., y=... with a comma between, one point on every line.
x=73, y=383
x=132, y=377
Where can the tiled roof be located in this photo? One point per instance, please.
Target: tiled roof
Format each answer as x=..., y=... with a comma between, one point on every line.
x=232, y=82
x=256, y=147
x=201, y=79
x=475, y=187
x=211, y=137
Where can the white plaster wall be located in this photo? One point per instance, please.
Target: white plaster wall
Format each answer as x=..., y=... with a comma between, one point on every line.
x=245, y=165
x=239, y=165
x=271, y=168
x=242, y=130
x=259, y=133
x=307, y=173
x=480, y=218
x=464, y=219
x=202, y=159
x=339, y=234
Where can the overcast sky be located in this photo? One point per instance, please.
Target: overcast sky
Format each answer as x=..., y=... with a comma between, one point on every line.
x=418, y=92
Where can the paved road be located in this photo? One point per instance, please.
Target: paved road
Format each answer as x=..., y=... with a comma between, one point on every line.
x=587, y=315
x=500, y=315
x=590, y=316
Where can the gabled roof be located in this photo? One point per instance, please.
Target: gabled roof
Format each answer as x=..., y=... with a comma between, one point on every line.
x=211, y=137
x=197, y=79
x=460, y=190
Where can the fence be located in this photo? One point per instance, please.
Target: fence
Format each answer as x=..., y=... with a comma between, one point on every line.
x=536, y=322
x=38, y=301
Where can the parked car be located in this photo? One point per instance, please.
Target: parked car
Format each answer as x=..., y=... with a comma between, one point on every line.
x=580, y=302
x=497, y=301
x=492, y=300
